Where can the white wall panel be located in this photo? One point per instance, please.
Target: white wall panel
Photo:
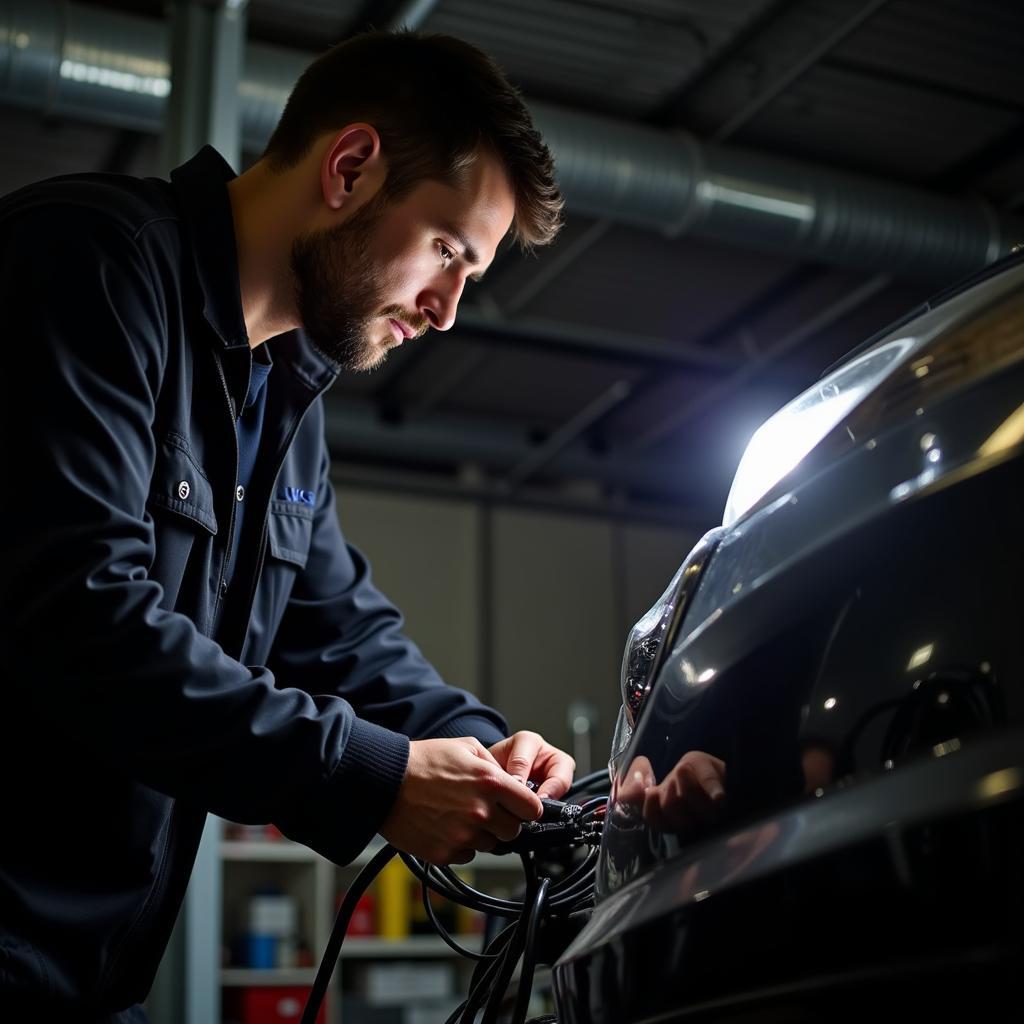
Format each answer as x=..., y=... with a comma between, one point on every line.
x=556, y=635
x=424, y=556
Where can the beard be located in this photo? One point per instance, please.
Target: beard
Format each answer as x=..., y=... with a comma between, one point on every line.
x=339, y=293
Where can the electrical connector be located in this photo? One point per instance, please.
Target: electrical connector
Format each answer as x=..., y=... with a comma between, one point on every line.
x=559, y=825
x=557, y=810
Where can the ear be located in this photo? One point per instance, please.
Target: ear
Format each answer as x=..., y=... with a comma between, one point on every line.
x=351, y=165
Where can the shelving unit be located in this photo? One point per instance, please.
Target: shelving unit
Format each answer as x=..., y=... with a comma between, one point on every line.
x=248, y=865
x=267, y=975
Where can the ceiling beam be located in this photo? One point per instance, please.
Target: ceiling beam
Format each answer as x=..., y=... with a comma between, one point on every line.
x=355, y=430
x=717, y=394
x=566, y=434
x=798, y=70
x=596, y=342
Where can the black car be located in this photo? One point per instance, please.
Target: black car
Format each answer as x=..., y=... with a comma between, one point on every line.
x=844, y=655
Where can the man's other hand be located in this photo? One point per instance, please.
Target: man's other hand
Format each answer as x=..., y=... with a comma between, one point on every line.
x=689, y=798
x=530, y=758
x=456, y=798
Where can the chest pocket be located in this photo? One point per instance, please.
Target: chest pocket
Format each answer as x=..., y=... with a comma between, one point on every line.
x=181, y=505
x=179, y=484
x=290, y=532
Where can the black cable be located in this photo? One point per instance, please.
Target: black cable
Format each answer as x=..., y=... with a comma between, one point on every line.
x=530, y=871
x=451, y=887
x=587, y=781
x=501, y=907
x=443, y=932
x=594, y=804
x=341, y=923
x=479, y=984
x=483, y=988
x=447, y=883
x=573, y=891
x=529, y=954
x=569, y=887
x=504, y=968
x=514, y=950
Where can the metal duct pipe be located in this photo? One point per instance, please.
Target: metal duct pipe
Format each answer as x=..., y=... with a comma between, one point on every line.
x=669, y=182
x=76, y=61
x=353, y=427
x=68, y=60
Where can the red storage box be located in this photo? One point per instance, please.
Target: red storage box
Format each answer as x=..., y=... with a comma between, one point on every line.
x=267, y=1004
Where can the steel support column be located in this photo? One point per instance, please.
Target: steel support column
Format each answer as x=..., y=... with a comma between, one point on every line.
x=207, y=48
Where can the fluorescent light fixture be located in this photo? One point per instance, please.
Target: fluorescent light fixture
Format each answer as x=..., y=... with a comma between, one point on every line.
x=110, y=78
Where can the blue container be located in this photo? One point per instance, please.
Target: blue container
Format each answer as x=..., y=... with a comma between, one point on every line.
x=261, y=950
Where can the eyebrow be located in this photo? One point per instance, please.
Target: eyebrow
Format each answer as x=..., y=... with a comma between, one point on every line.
x=469, y=254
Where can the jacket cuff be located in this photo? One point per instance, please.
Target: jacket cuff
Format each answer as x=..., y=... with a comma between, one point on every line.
x=476, y=726
x=366, y=780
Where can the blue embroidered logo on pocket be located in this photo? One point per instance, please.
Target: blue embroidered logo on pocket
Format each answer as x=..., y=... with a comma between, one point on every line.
x=299, y=496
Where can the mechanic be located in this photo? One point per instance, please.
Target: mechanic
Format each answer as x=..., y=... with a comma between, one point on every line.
x=185, y=629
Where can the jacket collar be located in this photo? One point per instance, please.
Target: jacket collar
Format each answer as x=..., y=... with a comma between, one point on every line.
x=201, y=188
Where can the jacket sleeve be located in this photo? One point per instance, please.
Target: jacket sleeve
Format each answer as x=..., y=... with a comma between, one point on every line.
x=91, y=660
x=341, y=635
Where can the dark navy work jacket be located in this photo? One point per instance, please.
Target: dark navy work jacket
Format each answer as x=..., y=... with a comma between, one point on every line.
x=141, y=688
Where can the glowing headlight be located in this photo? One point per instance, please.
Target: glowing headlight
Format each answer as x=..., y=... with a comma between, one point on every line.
x=779, y=444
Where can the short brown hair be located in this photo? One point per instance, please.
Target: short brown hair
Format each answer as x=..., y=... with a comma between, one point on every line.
x=436, y=102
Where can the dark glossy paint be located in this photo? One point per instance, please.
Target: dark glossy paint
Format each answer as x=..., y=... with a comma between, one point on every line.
x=854, y=655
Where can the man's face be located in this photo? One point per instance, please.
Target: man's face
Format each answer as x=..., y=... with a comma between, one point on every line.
x=393, y=269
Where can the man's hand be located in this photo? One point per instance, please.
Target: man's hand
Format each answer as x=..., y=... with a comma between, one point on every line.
x=456, y=798
x=529, y=757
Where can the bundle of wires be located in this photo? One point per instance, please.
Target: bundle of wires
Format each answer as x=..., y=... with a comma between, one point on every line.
x=546, y=896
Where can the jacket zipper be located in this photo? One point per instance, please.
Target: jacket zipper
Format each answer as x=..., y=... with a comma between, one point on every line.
x=220, y=593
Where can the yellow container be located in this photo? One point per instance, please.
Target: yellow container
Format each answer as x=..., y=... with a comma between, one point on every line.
x=393, y=900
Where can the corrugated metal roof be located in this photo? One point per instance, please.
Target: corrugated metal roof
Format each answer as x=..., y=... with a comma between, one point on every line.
x=888, y=128
x=641, y=283
x=540, y=389
x=621, y=58
x=949, y=44
x=309, y=20
x=870, y=101
x=769, y=56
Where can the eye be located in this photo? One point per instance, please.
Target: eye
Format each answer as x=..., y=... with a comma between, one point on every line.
x=446, y=253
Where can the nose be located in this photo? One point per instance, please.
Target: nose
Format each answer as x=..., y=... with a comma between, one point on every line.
x=439, y=302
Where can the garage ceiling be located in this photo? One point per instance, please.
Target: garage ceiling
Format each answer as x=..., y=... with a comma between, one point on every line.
x=623, y=364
